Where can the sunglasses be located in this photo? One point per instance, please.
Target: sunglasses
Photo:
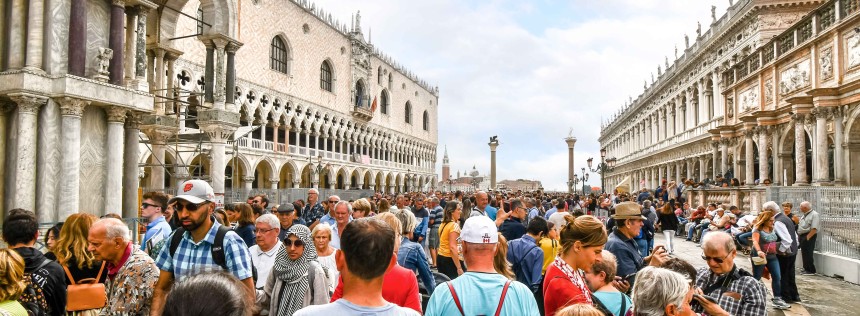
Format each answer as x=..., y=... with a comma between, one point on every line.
x=191, y=207
x=333, y=201
x=289, y=243
x=716, y=259
x=145, y=205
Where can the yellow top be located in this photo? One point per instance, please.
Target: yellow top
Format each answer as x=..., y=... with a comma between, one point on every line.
x=444, y=230
x=550, y=251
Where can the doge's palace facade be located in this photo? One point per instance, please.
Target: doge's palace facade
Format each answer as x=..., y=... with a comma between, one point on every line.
x=101, y=98
x=768, y=92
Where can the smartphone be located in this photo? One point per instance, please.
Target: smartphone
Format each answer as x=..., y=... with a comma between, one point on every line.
x=629, y=277
x=706, y=297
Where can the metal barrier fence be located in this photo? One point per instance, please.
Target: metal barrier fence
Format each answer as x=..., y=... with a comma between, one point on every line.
x=281, y=196
x=839, y=209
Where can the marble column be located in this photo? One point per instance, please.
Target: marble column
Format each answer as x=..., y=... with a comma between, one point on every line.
x=5, y=124
x=209, y=73
x=724, y=157
x=220, y=75
x=777, y=163
x=821, y=167
x=78, y=38
x=169, y=104
x=24, y=191
x=273, y=183
x=218, y=163
x=48, y=159
x=114, y=159
x=763, y=172
x=17, y=29
x=35, y=34
x=159, y=78
x=702, y=172
x=140, y=50
x=248, y=183
x=749, y=166
x=117, y=25
x=158, y=142
x=678, y=166
x=838, y=150
x=131, y=170
x=130, y=45
x=275, y=129
x=715, y=156
x=689, y=171
x=231, y=76
x=799, y=150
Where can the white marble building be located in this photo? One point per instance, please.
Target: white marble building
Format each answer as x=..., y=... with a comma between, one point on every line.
x=768, y=92
x=102, y=98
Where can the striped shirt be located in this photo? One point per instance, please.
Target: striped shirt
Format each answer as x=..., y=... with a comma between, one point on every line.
x=193, y=258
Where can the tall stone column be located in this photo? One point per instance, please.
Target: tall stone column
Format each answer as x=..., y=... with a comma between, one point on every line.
x=24, y=191
x=130, y=45
x=724, y=156
x=494, y=143
x=248, y=184
x=799, y=150
x=220, y=74
x=821, y=168
x=159, y=78
x=231, y=76
x=114, y=159
x=17, y=29
x=35, y=35
x=838, y=144
x=78, y=38
x=218, y=154
x=702, y=174
x=763, y=172
x=209, y=73
x=749, y=166
x=715, y=156
x=5, y=108
x=777, y=163
x=117, y=25
x=139, y=81
x=678, y=166
x=158, y=143
x=571, y=142
x=131, y=171
x=273, y=183
x=689, y=168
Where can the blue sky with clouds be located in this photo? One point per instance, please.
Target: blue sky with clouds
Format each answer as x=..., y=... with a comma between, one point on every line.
x=528, y=71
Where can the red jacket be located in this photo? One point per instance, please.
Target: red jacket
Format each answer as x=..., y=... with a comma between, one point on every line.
x=399, y=286
x=559, y=292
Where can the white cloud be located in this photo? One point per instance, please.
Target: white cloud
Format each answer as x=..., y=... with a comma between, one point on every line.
x=528, y=71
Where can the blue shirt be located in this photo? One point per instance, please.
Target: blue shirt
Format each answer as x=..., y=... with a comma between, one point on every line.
x=527, y=260
x=491, y=212
x=479, y=294
x=412, y=256
x=550, y=212
x=437, y=214
x=612, y=302
x=533, y=212
x=193, y=258
x=626, y=254
x=156, y=231
x=328, y=220
x=312, y=213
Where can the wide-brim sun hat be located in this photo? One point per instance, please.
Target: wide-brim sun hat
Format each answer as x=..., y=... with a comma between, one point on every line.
x=628, y=210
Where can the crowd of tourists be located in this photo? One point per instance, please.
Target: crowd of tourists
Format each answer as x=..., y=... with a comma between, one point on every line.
x=514, y=253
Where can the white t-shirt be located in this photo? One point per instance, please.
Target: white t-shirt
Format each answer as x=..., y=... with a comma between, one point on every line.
x=264, y=261
x=346, y=308
x=557, y=218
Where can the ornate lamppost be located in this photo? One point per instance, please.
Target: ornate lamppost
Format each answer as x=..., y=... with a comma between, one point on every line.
x=605, y=165
x=315, y=170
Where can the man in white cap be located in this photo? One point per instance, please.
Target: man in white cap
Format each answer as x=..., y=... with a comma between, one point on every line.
x=481, y=291
x=200, y=245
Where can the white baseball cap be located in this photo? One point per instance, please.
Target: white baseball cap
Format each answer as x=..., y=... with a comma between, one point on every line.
x=480, y=230
x=194, y=191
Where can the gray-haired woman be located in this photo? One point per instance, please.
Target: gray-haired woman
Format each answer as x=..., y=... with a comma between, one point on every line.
x=297, y=279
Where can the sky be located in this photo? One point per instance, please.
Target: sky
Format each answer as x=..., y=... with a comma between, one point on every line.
x=528, y=71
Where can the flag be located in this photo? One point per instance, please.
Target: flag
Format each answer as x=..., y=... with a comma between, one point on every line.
x=373, y=106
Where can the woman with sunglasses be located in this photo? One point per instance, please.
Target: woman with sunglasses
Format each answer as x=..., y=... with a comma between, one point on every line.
x=297, y=279
x=765, y=246
x=448, y=259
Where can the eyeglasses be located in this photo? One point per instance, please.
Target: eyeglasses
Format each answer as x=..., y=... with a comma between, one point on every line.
x=290, y=243
x=254, y=202
x=145, y=205
x=716, y=259
x=191, y=207
x=263, y=231
x=333, y=201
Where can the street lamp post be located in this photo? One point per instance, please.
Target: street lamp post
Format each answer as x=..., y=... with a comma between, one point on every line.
x=315, y=170
x=604, y=166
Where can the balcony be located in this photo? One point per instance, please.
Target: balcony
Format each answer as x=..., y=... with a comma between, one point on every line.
x=362, y=112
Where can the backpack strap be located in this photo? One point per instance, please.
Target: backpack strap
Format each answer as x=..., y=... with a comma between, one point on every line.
x=456, y=299
x=502, y=299
x=218, y=247
x=98, y=276
x=175, y=239
x=69, y=275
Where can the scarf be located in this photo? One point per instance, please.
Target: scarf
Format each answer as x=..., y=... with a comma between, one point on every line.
x=574, y=277
x=293, y=274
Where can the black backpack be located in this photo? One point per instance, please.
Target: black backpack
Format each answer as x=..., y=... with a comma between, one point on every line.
x=217, y=249
x=33, y=298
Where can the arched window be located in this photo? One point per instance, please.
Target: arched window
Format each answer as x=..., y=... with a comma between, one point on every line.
x=280, y=55
x=390, y=80
x=408, y=112
x=359, y=94
x=325, y=76
x=379, y=75
x=426, y=121
x=384, y=102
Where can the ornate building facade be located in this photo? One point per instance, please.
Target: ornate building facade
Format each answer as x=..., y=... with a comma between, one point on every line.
x=769, y=92
x=102, y=98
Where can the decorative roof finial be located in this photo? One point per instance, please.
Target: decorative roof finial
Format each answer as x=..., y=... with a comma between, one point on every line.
x=358, y=21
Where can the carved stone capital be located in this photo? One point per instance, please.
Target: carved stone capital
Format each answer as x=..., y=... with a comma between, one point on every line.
x=28, y=103
x=248, y=179
x=133, y=120
x=274, y=180
x=118, y=3
x=116, y=114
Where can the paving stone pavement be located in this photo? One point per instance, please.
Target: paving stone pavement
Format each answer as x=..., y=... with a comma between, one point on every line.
x=821, y=295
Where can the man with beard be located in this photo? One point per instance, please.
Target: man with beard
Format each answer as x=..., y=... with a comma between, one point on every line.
x=194, y=248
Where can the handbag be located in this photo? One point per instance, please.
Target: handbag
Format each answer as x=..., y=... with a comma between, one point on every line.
x=85, y=293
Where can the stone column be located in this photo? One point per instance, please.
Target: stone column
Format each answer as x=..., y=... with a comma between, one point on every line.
x=78, y=38
x=170, y=106
x=763, y=172
x=702, y=174
x=158, y=143
x=231, y=76
x=715, y=156
x=24, y=192
x=275, y=126
x=678, y=166
x=838, y=150
x=115, y=138
x=159, y=77
x=130, y=175
x=248, y=183
x=689, y=171
x=17, y=28
x=821, y=166
x=48, y=158
x=117, y=25
x=724, y=156
x=220, y=74
x=777, y=163
x=571, y=142
x=139, y=81
x=130, y=45
x=219, y=160
x=274, y=183
x=749, y=157
x=5, y=108
x=493, y=145
x=35, y=35
x=209, y=75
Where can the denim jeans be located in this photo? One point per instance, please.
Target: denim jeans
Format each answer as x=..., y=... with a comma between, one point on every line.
x=744, y=238
x=775, y=275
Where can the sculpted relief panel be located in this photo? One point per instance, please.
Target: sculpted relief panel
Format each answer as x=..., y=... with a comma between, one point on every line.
x=794, y=77
x=826, y=63
x=768, y=91
x=854, y=50
x=749, y=100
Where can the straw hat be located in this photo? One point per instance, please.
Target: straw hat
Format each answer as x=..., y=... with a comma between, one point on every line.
x=628, y=210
